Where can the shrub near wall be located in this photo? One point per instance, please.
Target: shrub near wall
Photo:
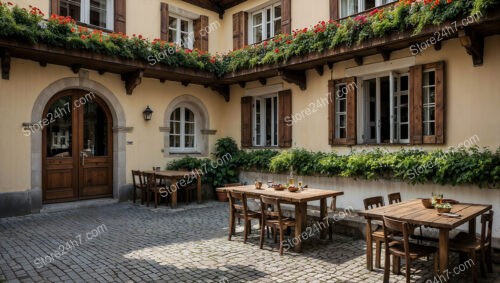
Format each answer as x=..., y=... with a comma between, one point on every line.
x=452, y=167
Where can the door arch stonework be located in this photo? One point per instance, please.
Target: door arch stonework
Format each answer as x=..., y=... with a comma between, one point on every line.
x=119, y=135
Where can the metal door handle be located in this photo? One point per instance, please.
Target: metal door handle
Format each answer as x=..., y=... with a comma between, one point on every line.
x=83, y=155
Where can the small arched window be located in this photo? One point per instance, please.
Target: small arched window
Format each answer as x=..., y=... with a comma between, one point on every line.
x=182, y=130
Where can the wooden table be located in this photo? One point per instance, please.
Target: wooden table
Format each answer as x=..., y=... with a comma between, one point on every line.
x=299, y=199
x=183, y=178
x=414, y=212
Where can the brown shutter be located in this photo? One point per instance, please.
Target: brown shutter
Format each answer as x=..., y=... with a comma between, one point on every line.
x=334, y=9
x=240, y=30
x=351, y=110
x=120, y=16
x=246, y=121
x=54, y=7
x=286, y=16
x=331, y=112
x=416, y=104
x=350, y=87
x=164, y=22
x=284, y=112
x=416, y=82
x=201, y=33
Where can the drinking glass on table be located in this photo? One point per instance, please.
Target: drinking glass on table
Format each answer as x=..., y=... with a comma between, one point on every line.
x=270, y=181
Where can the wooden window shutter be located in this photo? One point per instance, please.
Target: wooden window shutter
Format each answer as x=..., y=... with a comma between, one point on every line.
x=286, y=16
x=416, y=85
x=416, y=104
x=246, y=121
x=54, y=7
x=201, y=33
x=334, y=9
x=350, y=87
x=164, y=22
x=120, y=16
x=331, y=112
x=284, y=111
x=240, y=30
x=351, y=110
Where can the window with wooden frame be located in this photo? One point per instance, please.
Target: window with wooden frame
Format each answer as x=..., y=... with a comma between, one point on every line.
x=345, y=8
x=264, y=120
x=98, y=13
x=180, y=31
x=182, y=130
x=342, y=111
x=265, y=23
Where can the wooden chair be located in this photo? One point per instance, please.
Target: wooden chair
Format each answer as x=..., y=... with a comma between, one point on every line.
x=239, y=209
x=465, y=243
x=400, y=247
x=394, y=198
x=378, y=234
x=234, y=185
x=273, y=218
x=139, y=184
x=153, y=187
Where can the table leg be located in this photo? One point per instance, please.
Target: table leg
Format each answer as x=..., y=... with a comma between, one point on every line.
x=443, y=250
x=369, y=245
x=299, y=219
x=174, y=190
x=198, y=188
x=472, y=227
x=323, y=214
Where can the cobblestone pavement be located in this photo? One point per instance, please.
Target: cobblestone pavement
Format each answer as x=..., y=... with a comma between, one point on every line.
x=131, y=243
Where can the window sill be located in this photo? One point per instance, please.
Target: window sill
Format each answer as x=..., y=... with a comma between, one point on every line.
x=94, y=27
x=184, y=153
x=262, y=147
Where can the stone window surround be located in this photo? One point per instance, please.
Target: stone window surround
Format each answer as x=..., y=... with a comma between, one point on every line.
x=202, y=126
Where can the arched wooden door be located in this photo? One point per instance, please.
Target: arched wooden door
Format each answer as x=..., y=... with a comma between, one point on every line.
x=77, y=148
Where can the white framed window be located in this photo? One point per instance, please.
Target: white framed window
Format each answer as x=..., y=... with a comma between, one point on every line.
x=182, y=130
x=351, y=7
x=429, y=102
x=340, y=111
x=99, y=13
x=180, y=31
x=265, y=23
x=385, y=108
x=265, y=120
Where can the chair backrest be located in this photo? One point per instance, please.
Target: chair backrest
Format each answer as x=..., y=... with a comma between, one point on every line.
x=238, y=201
x=373, y=202
x=486, y=228
x=233, y=185
x=270, y=207
x=394, y=198
x=137, y=178
x=150, y=180
x=393, y=229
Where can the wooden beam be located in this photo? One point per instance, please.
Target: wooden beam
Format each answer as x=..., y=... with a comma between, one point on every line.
x=132, y=80
x=42, y=64
x=386, y=54
x=263, y=81
x=330, y=64
x=242, y=84
x=5, y=58
x=185, y=83
x=163, y=81
x=222, y=90
x=473, y=44
x=437, y=46
x=76, y=68
x=319, y=69
x=101, y=72
x=358, y=60
x=294, y=77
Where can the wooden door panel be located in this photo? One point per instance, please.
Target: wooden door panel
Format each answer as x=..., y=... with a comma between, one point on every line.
x=60, y=185
x=96, y=181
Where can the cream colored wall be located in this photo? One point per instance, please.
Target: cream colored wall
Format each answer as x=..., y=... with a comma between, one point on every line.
x=472, y=99
x=28, y=79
